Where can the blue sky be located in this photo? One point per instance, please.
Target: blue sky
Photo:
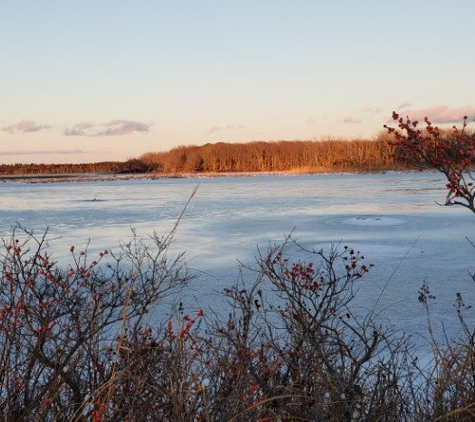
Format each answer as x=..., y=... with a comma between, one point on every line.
x=98, y=80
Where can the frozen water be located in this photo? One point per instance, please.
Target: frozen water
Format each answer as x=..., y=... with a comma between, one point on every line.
x=373, y=221
x=392, y=218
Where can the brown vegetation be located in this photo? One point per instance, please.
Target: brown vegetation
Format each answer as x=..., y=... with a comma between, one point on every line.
x=83, y=342
x=287, y=156
x=105, y=167
x=282, y=156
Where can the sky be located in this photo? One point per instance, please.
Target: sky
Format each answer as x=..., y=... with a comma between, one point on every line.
x=88, y=81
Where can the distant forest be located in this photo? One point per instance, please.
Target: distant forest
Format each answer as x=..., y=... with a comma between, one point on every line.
x=259, y=156
x=101, y=167
x=286, y=156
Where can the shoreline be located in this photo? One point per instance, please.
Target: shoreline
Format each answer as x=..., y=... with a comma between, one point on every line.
x=99, y=177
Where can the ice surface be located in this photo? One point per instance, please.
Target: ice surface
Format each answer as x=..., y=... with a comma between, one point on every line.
x=373, y=221
x=392, y=218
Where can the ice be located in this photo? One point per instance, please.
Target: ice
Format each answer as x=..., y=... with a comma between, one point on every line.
x=392, y=218
x=374, y=221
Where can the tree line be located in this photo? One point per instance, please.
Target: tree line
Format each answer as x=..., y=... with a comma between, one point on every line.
x=260, y=156
x=376, y=154
x=107, y=167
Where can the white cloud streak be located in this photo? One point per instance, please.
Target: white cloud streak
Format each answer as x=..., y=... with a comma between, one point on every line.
x=117, y=127
x=45, y=152
x=25, y=126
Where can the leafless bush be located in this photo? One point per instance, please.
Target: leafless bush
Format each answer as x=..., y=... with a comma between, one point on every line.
x=57, y=324
x=449, y=380
x=302, y=353
x=78, y=343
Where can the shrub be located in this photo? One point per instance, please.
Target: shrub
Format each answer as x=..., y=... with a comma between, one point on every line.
x=58, y=326
x=78, y=343
x=450, y=152
x=449, y=382
x=304, y=353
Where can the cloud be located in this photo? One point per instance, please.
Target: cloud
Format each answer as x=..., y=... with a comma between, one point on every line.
x=79, y=129
x=117, y=127
x=351, y=119
x=123, y=127
x=441, y=114
x=25, y=126
x=215, y=129
x=74, y=132
x=43, y=152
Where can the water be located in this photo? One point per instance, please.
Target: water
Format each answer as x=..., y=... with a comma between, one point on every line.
x=392, y=218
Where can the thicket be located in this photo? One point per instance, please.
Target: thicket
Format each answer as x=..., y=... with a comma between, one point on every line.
x=83, y=342
x=290, y=156
x=94, y=339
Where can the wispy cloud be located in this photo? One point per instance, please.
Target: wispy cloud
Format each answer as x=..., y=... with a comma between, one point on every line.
x=440, y=113
x=117, y=127
x=351, y=119
x=44, y=152
x=74, y=132
x=123, y=127
x=25, y=126
x=79, y=129
x=215, y=129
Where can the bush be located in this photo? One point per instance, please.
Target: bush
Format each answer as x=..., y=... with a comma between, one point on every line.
x=302, y=351
x=63, y=331
x=78, y=343
x=449, y=383
x=450, y=152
